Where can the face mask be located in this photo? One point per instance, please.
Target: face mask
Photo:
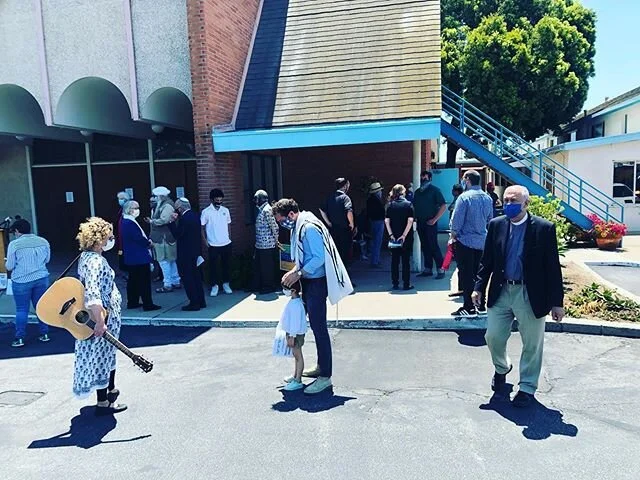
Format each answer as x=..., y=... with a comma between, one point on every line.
x=287, y=223
x=286, y=292
x=135, y=213
x=512, y=210
x=110, y=243
x=121, y=202
x=424, y=183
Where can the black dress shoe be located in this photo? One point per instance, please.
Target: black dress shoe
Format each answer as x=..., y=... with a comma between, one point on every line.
x=133, y=306
x=203, y=305
x=151, y=308
x=395, y=287
x=408, y=287
x=190, y=308
x=499, y=380
x=522, y=399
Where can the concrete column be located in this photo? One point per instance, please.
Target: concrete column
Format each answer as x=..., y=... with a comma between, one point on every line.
x=32, y=197
x=152, y=171
x=87, y=155
x=416, y=260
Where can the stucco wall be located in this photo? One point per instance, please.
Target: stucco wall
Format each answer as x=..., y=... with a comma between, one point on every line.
x=85, y=39
x=14, y=183
x=614, y=122
x=161, y=46
x=19, y=47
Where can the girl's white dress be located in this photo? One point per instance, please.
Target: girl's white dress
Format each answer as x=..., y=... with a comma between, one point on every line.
x=293, y=322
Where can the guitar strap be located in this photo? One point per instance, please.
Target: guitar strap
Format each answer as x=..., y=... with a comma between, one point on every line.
x=66, y=270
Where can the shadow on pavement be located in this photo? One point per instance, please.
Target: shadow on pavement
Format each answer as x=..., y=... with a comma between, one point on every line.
x=539, y=421
x=471, y=338
x=86, y=431
x=62, y=341
x=320, y=402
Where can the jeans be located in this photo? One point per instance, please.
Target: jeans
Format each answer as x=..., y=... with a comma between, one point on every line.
x=314, y=296
x=23, y=294
x=377, y=231
x=468, y=262
x=225, y=258
x=170, y=273
x=429, y=245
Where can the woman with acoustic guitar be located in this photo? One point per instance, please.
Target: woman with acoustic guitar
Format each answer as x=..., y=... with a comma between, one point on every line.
x=95, y=358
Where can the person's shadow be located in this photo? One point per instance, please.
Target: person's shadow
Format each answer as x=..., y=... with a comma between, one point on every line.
x=539, y=421
x=320, y=402
x=471, y=338
x=86, y=431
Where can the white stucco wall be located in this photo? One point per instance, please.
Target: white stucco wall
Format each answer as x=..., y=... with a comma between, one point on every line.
x=19, y=58
x=85, y=39
x=161, y=46
x=614, y=122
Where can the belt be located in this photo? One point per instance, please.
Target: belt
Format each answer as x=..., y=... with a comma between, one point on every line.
x=514, y=282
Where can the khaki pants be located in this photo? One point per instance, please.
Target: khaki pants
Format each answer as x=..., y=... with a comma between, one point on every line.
x=513, y=302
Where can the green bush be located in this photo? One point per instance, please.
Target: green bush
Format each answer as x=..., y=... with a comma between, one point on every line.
x=598, y=301
x=550, y=209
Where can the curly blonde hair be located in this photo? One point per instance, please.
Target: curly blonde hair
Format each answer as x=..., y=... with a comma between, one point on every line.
x=93, y=232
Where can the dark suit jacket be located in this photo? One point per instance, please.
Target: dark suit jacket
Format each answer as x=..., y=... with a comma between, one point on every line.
x=135, y=246
x=540, y=262
x=187, y=232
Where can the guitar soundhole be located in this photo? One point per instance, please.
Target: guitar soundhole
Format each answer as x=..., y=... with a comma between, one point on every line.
x=82, y=317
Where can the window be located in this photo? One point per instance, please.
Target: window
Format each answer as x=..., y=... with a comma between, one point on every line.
x=260, y=172
x=51, y=152
x=173, y=144
x=625, y=127
x=597, y=130
x=552, y=143
x=548, y=179
x=626, y=182
x=112, y=148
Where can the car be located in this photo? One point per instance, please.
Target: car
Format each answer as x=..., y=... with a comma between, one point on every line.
x=624, y=194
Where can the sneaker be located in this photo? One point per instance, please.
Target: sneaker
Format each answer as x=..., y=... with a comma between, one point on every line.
x=44, y=338
x=464, y=313
x=320, y=385
x=227, y=288
x=289, y=379
x=293, y=385
x=426, y=273
x=408, y=287
x=522, y=399
x=18, y=342
x=312, y=372
x=214, y=291
x=482, y=311
x=499, y=380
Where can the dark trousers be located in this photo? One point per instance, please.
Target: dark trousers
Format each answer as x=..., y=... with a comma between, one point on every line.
x=343, y=239
x=403, y=253
x=314, y=296
x=264, y=270
x=224, y=253
x=429, y=245
x=468, y=262
x=192, y=282
x=139, y=285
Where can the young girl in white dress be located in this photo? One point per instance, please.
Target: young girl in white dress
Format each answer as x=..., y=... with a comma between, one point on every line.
x=294, y=323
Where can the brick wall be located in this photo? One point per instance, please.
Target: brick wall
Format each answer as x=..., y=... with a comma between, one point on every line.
x=309, y=173
x=220, y=33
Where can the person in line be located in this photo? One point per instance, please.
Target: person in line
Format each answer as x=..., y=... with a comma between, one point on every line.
x=471, y=216
x=95, y=358
x=376, y=216
x=456, y=191
x=399, y=224
x=27, y=258
x=187, y=232
x=323, y=275
x=338, y=215
x=215, y=221
x=137, y=258
x=164, y=244
x=521, y=259
x=156, y=271
x=122, y=198
x=429, y=206
x=294, y=323
x=491, y=191
x=409, y=194
x=266, y=247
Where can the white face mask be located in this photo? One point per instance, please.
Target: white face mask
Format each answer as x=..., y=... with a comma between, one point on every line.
x=110, y=243
x=286, y=292
x=135, y=213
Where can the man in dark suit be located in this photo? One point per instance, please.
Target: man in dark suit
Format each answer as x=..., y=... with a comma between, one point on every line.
x=521, y=257
x=187, y=234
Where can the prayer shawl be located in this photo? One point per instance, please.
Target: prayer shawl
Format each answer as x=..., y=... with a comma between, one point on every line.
x=338, y=281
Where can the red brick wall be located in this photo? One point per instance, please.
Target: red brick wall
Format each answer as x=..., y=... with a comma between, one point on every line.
x=309, y=173
x=220, y=34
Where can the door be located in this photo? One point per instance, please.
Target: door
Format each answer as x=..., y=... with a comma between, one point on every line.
x=62, y=203
x=180, y=176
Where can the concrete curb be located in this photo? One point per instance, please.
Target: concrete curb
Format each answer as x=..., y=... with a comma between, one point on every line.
x=612, y=286
x=442, y=323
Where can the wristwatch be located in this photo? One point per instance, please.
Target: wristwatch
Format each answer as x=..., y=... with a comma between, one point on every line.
x=299, y=272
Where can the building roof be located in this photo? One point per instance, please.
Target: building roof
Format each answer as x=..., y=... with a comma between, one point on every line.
x=607, y=105
x=342, y=61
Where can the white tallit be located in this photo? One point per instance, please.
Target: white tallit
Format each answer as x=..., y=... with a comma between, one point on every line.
x=338, y=281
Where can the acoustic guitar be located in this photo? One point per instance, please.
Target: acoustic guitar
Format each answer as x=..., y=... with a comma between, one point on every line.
x=62, y=305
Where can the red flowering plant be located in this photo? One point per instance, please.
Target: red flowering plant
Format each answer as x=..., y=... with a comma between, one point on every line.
x=606, y=229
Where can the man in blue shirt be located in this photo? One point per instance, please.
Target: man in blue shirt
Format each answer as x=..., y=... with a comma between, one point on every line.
x=471, y=215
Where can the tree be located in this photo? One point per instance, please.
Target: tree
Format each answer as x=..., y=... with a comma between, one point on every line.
x=526, y=63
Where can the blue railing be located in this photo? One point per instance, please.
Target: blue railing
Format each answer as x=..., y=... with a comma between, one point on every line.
x=544, y=170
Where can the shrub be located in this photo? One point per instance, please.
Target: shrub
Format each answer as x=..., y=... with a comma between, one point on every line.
x=550, y=209
x=598, y=301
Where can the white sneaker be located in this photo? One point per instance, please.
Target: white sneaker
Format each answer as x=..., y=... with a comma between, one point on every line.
x=214, y=291
x=320, y=385
x=227, y=288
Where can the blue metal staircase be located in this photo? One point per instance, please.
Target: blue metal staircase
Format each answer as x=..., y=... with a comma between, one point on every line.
x=503, y=151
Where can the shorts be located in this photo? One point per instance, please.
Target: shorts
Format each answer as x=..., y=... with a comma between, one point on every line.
x=299, y=340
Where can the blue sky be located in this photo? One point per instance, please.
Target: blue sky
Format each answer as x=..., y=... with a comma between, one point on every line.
x=617, y=51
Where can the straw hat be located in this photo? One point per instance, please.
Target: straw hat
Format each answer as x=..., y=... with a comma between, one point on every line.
x=375, y=187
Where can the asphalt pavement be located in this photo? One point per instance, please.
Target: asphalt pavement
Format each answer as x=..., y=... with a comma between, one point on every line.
x=625, y=277
x=406, y=405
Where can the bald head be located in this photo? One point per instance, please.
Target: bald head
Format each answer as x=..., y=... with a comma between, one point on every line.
x=182, y=205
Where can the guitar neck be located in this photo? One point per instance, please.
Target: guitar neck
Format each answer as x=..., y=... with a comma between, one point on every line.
x=118, y=344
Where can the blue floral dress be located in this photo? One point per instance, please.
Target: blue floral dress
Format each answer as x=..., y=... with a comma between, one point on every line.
x=95, y=357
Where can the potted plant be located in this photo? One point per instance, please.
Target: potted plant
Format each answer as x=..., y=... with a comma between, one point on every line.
x=607, y=233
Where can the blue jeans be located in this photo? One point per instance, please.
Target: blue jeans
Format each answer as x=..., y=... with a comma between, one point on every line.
x=23, y=294
x=377, y=230
x=314, y=295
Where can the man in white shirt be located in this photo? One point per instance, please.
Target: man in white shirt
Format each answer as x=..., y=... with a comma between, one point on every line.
x=215, y=220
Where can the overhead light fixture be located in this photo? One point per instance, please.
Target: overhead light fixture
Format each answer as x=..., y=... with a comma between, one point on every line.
x=21, y=138
x=85, y=133
x=157, y=128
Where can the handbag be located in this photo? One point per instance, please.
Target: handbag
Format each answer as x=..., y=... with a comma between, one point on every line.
x=395, y=243
x=9, y=290
x=280, y=347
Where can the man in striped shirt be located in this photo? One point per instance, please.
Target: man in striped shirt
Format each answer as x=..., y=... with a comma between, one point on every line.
x=27, y=258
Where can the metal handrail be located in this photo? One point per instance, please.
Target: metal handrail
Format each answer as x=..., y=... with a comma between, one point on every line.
x=508, y=145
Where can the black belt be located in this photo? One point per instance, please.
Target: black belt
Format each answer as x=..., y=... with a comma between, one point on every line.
x=514, y=282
